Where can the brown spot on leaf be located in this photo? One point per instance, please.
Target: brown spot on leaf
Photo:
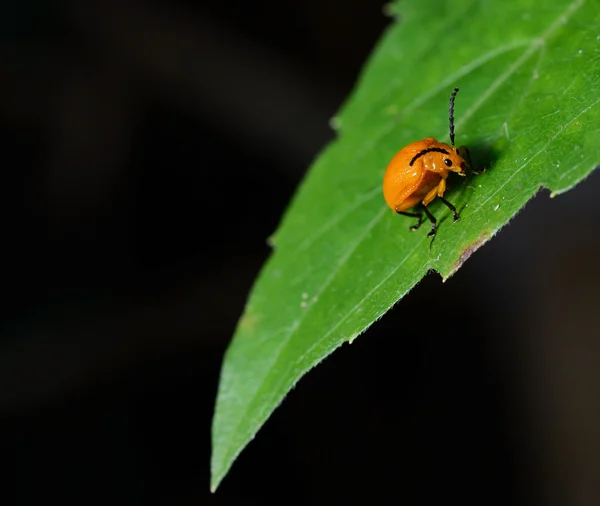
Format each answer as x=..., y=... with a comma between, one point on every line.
x=468, y=250
x=271, y=241
x=248, y=321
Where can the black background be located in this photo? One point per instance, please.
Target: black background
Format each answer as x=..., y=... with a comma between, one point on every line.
x=148, y=150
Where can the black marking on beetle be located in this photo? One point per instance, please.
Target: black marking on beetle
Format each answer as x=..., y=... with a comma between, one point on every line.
x=425, y=151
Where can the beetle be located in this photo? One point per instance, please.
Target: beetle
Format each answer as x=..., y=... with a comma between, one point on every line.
x=417, y=174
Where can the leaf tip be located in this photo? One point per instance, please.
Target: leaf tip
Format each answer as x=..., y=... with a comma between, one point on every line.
x=215, y=478
x=219, y=467
x=215, y=481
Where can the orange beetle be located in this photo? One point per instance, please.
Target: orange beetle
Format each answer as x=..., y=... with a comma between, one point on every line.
x=418, y=172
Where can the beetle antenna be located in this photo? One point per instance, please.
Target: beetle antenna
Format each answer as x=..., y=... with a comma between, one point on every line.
x=451, y=116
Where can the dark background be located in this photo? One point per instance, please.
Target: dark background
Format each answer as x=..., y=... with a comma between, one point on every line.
x=148, y=150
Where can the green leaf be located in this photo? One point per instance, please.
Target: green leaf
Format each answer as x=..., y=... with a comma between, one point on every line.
x=528, y=108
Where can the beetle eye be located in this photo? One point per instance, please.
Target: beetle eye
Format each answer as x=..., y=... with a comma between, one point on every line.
x=448, y=162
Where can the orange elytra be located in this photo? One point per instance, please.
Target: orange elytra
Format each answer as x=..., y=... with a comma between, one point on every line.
x=417, y=174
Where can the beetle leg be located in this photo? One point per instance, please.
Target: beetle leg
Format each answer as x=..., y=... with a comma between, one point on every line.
x=452, y=208
x=432, y=220
x=441, y=188
x=413, y=215
x=430, y=196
